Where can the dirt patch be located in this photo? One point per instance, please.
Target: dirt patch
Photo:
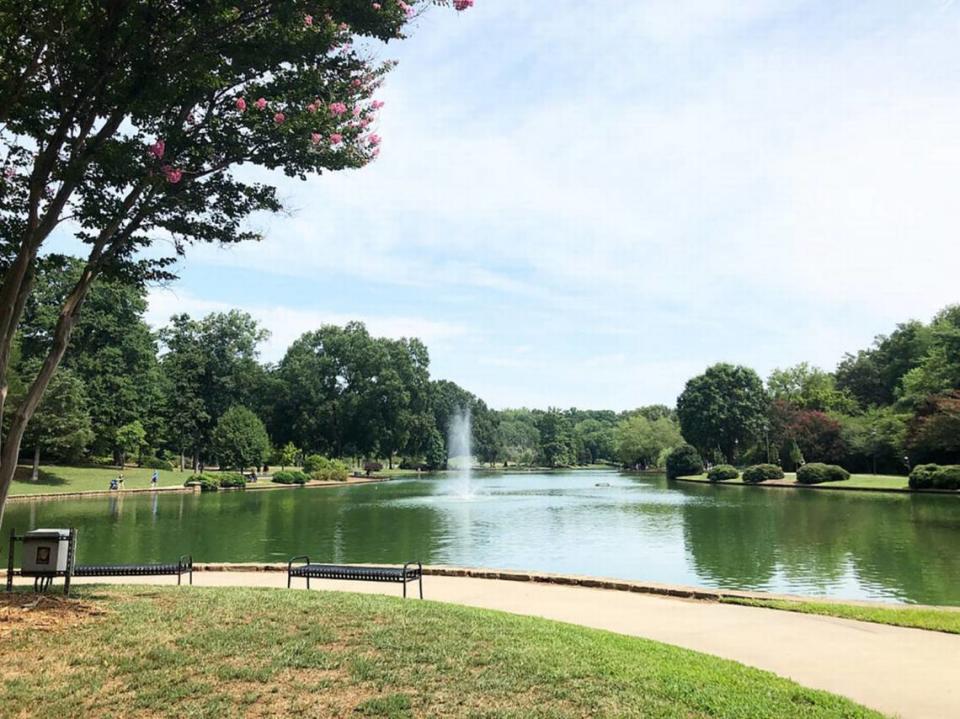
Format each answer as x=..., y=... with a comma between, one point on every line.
x=42, y=612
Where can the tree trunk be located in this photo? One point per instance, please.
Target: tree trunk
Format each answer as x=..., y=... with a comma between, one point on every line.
x=35, y=474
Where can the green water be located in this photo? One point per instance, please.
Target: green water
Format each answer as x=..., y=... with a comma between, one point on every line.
x=851, y=545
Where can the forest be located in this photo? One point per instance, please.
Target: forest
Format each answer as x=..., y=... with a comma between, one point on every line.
x=194, y=391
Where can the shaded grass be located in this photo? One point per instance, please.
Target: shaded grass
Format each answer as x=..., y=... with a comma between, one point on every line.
x=54, y=479
x=192, y=652
x=859, y=481
x=938, y=620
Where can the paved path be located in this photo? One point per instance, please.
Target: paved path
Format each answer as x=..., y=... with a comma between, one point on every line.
x=905, y=672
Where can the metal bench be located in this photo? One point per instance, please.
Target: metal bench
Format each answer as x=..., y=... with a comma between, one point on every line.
x=410, y=572
x=183, y=566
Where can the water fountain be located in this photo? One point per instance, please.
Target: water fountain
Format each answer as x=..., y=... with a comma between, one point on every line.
x=460, y=452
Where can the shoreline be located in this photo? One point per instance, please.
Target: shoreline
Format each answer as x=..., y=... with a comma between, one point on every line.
x=252, y=487
x=782, y=484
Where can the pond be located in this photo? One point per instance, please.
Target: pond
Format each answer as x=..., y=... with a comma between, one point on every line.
x=603, y=523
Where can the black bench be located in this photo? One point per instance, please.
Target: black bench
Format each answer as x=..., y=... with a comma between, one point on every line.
x=183, y=566
x=410, y=572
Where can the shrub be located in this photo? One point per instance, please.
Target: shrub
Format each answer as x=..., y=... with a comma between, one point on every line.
x=722, y=472
x=290, y=478
x=157, y=463
x=683, y=460
x=232, y=479
x=335, y=471
x=816, y=473
x=761, y=473
x=371, y=467
x=206, y=482
x=935, y=476
x=315, y=463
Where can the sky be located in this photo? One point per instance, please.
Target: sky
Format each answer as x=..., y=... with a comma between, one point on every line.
x=587, y=203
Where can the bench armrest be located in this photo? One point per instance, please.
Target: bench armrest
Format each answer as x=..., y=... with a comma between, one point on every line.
x=304, y=557
x=410, y=564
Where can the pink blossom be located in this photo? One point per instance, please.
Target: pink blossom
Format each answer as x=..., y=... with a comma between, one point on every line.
x=366, y=121
x=279, y=118
x=461, y=5
x=337, y=108
x=336, y=138
x=374, y=140
x=308, y=20
x=157, y=149
x=407, y=10
x=261, y=103
x=241, y=104
x=315, y=138
x=173, y=174
x=9, y=172
x=376, y=6
x=357, y=82
x=377, y=104
x=312, y=107
x=357, y=110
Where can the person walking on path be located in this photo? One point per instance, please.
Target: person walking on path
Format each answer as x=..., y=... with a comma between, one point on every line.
x=155, y=478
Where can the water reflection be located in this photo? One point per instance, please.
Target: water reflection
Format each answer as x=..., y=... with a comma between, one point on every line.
x=850, y=545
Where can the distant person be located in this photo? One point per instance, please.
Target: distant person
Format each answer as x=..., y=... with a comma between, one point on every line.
x=114, y=484
x=119, y=481
x=155, y=478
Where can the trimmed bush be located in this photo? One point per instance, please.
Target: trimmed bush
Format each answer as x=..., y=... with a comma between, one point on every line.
x=722, y=472
x=683, y=461
x=290, y=478
x=935, y=476
x=761, y=473
x=232, y=479
x=817, y=473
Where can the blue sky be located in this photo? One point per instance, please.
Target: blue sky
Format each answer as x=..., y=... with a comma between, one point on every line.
x=586, y=203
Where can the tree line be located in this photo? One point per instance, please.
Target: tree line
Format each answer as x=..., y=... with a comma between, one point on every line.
x=195, y=393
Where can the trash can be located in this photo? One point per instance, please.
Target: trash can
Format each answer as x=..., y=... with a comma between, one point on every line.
x=45, y=552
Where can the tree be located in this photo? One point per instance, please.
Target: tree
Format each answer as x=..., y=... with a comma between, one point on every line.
x=130, y=439
x=130, y=119
x=112, y=350
x=818, y=436
x=641, y=442
x=556, y=439
x=436, y=452
x=286, y=456
x=722, y=410
x=934, y=430
x=519, y=437
x=809, y=387
x=240, y=439
x=595, y=440
x=61, y=426
x=875, y=441
x=210, y=365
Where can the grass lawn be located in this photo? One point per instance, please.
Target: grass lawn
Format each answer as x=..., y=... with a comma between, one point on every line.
x=938, y=620
x=874, y=481
x=85, y=479
x=245, y=652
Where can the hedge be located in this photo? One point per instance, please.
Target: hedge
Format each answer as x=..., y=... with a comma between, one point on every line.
x=683, y=461
x=761, y=473
x=816, y=473
x=935, y=476
x=290, y=478
x=722, y=472
x=211, y=482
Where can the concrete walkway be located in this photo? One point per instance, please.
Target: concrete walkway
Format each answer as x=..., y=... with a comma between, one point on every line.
x=903, y=672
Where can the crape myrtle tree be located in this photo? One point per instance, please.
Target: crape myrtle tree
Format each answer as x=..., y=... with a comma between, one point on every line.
x=126, y=119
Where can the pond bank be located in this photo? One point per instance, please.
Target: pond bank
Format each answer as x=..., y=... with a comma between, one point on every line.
x=260, y=485
x=845, y=486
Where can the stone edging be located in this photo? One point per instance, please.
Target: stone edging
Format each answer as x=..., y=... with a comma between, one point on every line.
x=676, y=591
